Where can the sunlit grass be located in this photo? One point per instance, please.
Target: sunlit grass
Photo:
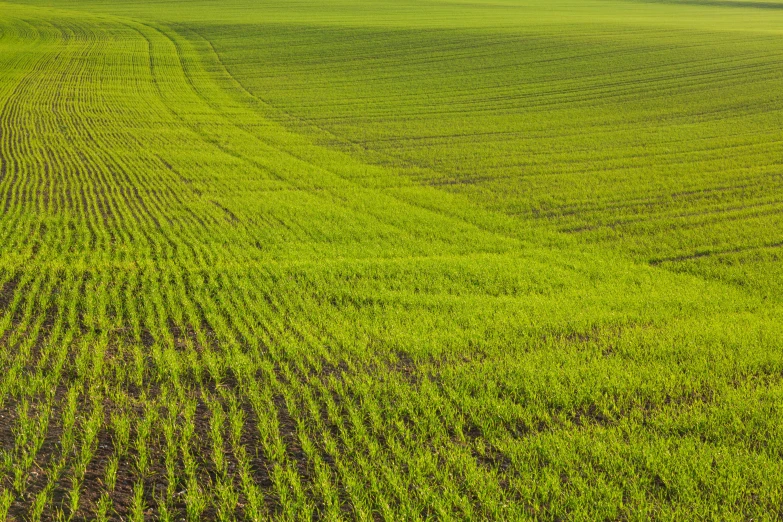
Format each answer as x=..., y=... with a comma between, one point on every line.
x=439, y=260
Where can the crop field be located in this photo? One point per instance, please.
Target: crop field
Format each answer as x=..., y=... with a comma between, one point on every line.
x=391, y=260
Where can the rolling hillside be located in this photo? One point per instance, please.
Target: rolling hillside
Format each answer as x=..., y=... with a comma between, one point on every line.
x=486, y=260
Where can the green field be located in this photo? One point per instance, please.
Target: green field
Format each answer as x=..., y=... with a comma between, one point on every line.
x=391, y=260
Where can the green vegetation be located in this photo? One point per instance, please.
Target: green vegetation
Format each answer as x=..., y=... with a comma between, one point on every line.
x=400, y=260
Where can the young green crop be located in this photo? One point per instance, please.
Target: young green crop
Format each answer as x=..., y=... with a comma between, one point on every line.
x=432, y=260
